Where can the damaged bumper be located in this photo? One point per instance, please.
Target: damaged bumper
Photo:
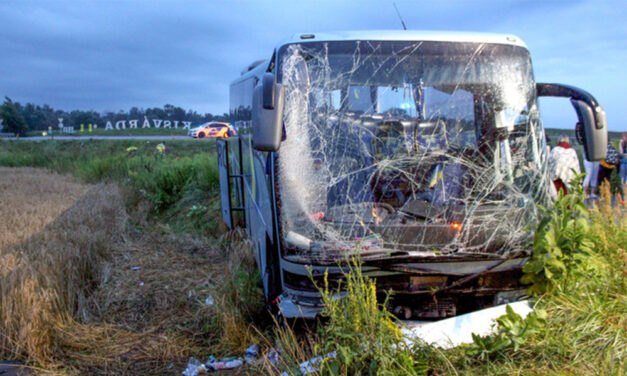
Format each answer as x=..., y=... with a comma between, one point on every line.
x=429, y=289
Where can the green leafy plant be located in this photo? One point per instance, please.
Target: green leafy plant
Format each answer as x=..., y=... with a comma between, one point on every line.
x=562, y=244
x=513, y=332
x=362, y=334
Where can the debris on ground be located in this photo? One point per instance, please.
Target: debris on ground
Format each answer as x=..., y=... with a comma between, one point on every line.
x=311, y=366
x=224, y=363
x=251, y=354
x=209, y=301
x=273, y=357
x=195, y=367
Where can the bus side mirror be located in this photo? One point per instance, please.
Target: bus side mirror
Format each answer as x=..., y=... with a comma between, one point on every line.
x=267, y=116
x=594, y=140
x=591, y=129
x=269, y=88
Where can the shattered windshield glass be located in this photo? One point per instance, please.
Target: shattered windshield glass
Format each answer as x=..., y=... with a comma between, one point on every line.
x=408, y=148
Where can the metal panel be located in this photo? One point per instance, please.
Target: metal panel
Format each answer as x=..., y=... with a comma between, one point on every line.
x=225, y=183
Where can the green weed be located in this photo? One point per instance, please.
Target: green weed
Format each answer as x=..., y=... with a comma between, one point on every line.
x=562, y=245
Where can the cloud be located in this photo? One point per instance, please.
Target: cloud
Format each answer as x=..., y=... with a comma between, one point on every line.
x=115, y=55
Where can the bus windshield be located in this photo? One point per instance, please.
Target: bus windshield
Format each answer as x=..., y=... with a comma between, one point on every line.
x=382, y=133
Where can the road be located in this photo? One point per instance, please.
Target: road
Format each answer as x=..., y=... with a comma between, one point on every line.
x=42, y=138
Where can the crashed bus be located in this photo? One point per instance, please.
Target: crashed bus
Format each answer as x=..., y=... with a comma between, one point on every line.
x=421, y=154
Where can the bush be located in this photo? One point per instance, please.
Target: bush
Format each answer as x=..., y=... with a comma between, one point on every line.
x=562, y=245
x=579, y=326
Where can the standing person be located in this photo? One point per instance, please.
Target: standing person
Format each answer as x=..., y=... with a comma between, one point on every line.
x=563, y=164
x=622, y=150
x=552, y=191
x=608, y=164
x=591, y=179
x=160, y=148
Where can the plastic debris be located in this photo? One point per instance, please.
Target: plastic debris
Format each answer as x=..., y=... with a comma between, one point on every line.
x=209, y=301
x=273, y=357
x=131, y=149
x=136, y=267
x=194, y=367
x=251, y=353
x=311, y=366
x=225, y=363
x=160, y=148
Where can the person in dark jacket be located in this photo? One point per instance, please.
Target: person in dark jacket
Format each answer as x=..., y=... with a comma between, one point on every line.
x=608, y=164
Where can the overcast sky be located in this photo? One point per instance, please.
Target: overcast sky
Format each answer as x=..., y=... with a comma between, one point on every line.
x=117, y=54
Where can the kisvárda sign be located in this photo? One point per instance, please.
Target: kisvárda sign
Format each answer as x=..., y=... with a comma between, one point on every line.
x=146, y=123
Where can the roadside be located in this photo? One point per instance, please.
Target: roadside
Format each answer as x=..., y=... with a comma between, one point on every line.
x=145, y=307
x=115, y=132
x=103, y=137
x=88, y=289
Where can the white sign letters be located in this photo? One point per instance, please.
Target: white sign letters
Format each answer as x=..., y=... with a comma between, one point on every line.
x=146, y=123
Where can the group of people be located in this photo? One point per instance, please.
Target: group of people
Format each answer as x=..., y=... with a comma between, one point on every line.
x=563, y=166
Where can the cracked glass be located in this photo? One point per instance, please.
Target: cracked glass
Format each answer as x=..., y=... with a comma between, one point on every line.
x=408, y=149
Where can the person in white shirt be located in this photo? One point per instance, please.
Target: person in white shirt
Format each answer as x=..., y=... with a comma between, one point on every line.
x=563, y=164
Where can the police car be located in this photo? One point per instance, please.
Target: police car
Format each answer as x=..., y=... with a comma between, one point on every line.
x=212, y=129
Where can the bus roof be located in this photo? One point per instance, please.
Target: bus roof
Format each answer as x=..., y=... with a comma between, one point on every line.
x=406, y=35
x=258, y=67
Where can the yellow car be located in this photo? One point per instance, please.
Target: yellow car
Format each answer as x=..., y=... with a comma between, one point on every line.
x=212, y=129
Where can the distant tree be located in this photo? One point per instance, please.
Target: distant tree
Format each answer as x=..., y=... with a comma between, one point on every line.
x=156, y=113
x=178, y=113
x=12, y=118
x=76, y=118
x=135, y=113
x=41, y=117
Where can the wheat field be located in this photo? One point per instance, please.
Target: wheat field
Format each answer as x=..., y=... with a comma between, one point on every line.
x=81, y=294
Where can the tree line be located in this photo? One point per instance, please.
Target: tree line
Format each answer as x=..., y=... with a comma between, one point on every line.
x=19, y=118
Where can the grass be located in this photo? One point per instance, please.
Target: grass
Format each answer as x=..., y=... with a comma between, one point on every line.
x=240, y=304
x=136, y=305
x=74, y=302
x=579, y=325
x=180, y=188
x=84, y=289
x=586, y=304
x=50, y=266
x=117, y=132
